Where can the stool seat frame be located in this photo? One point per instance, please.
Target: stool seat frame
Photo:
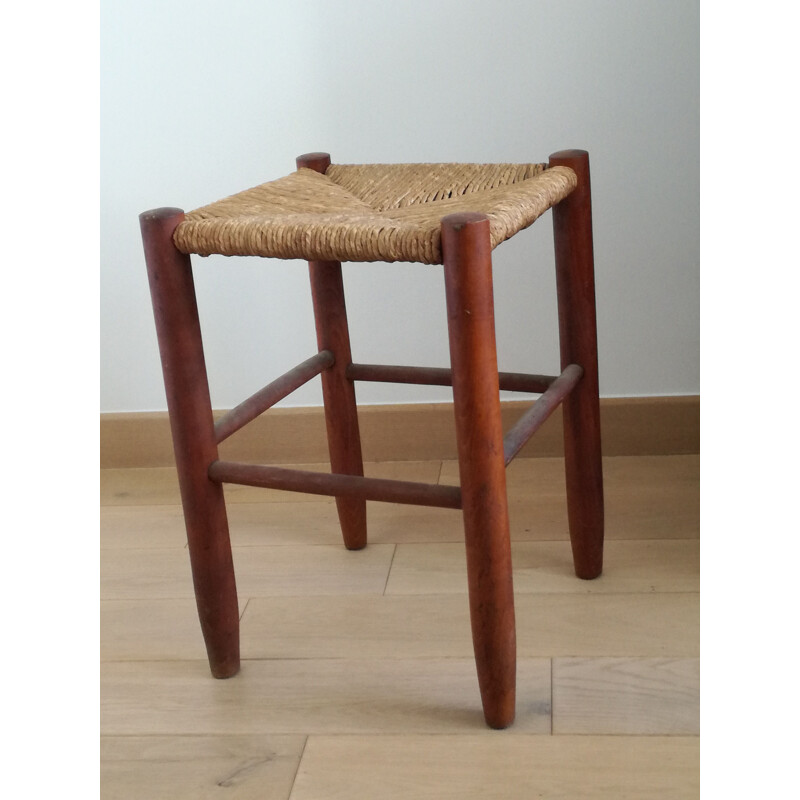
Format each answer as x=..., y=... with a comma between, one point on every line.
x=483, y=450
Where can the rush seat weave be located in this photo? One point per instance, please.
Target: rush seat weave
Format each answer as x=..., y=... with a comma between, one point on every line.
x=375, y=212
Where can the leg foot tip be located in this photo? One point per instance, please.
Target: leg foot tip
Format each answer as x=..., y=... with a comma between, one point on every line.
x=228, y=670
x=500, y=723
x=589, y=574
x=499, y=715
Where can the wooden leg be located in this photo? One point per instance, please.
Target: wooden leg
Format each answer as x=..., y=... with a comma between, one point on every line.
x=476, y=394
x=338, y=391
x=189, y=404
x=572, y=228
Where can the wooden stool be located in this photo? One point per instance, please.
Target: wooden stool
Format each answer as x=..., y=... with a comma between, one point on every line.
x=450, y=214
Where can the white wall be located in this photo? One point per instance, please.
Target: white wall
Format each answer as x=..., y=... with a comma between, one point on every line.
x=202, y=98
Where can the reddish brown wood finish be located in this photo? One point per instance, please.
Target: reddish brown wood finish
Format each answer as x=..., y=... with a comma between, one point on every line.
x=437, y=376
x=476, y=394
x=537, y=414
x=338, y=392
x=319, y=162
x=572, y=229
x=298, y=480
x=189, y=404
x=273, y=392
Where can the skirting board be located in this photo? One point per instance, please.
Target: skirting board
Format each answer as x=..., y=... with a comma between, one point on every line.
x=410, y=432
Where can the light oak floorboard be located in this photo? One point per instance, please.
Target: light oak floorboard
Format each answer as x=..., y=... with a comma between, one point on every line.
x=408, y=626
x=369, y=676
x=630, y=566
x=158, y=486
x=532, y=519
x=279, y=523
x=312, y=696
x=498, y=767
x=146, y=630
x=251, y=524
x=666, y=514
x=254, y=767
x=417, y=626
x=260, y=571
x=620, y=473
x=658, y=501
x=142, y=526
x=626, y=696
x=425, y=626
x=535, y=517
x=653, y=497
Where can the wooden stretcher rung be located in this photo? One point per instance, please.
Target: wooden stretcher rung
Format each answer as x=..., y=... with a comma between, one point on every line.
x=542, y=408
x=272, y=393
x=337, y=485
x=437, y=376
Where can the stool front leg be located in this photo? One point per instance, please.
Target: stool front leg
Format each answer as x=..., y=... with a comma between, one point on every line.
x=572, y=228
x=476, y=395
x=181, y=348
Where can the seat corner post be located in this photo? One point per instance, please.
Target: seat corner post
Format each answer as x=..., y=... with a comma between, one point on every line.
x=338, y=391
x=574, y=255
x=319, y=162
x=467, y=261
x=191, y=421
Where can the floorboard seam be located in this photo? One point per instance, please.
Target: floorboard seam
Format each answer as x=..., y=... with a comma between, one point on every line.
x=297, y=771
x=389, y=571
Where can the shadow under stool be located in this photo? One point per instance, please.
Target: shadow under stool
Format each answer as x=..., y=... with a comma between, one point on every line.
x=448, y=214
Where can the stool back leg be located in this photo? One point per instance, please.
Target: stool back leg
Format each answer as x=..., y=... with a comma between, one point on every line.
x=181, y=348
x=476, y=395
x=338, y=394
x=338, y=391
x=572, y=229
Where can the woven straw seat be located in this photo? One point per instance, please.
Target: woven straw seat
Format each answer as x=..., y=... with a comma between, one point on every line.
x=375, y=212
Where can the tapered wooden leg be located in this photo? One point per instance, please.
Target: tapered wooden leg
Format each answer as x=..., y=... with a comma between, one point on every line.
x=572, y=227
x=338, y=392
x=476, y=394
x=189, y=404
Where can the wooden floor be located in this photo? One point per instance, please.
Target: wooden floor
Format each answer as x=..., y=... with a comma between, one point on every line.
x=358, y=679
